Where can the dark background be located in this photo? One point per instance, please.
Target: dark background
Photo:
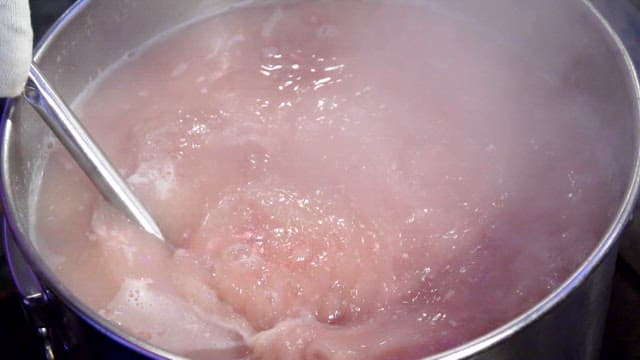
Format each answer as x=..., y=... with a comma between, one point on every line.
x=18, y=340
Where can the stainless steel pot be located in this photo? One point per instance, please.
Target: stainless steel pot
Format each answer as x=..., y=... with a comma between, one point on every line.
x=94, y=34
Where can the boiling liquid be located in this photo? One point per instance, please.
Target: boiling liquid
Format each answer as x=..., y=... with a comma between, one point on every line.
x=338, y=179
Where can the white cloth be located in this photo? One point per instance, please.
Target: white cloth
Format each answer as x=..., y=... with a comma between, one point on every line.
x=16, y=42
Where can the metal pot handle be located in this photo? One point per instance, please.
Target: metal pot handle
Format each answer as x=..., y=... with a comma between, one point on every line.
x=630, y=242
x=35, y=301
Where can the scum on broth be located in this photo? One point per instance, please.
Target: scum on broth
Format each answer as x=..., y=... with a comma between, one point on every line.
x=340, y=179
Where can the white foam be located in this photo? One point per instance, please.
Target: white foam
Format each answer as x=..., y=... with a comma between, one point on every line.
x=160, y=174
x=165, y=319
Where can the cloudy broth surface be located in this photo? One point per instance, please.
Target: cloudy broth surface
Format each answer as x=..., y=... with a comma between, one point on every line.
x=338, y=179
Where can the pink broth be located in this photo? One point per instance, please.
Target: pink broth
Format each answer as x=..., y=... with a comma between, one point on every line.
x=337, y=179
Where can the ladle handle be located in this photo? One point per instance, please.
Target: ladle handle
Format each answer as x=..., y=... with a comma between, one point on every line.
x=84, y=150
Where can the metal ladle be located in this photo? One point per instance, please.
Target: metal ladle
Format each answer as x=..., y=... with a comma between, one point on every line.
x=64, y=124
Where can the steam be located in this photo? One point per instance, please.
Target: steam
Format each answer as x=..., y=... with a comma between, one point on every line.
x=399, y=177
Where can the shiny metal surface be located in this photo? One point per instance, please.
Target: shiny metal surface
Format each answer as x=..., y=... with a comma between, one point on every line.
x=64, y=124
x=566, y=324
x=34, y=298
x=624, y=16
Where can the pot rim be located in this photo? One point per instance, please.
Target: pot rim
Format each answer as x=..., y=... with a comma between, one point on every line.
x=475, y=346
